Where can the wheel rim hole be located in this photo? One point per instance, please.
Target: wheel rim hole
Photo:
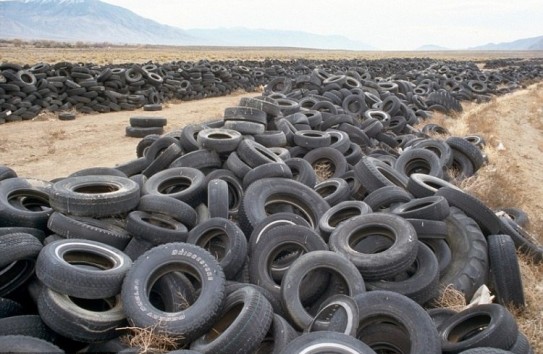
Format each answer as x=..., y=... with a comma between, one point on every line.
x=326, y=283
x=326, y=190
x=281, y=259
x=162, y=223
x=371, y=240
x=343, y=215
x=417, y=166
x=224, y=322
x=279, y=205
x=219, y=136
x=96, y=189
x=88, y=260
x=417, y=206
x=469, y=328
x=174, y=185
x=385, y=335
x=29, y=200
x=216, y=242
x=94, y=305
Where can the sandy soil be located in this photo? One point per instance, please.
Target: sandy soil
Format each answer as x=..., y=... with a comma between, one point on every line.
x=48, y=148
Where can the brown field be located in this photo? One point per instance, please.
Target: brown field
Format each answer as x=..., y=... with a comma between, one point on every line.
x=28, y=54
x=47, y=148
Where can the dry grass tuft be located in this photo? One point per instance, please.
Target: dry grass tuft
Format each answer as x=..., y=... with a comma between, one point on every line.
x=450, y=298
x=148, y=340
x=324, y=170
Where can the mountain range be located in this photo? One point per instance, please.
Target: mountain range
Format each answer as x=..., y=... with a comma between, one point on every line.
x=97, y=21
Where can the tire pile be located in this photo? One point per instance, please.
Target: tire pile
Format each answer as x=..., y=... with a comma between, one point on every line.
x=313, y=218
x=89, y=88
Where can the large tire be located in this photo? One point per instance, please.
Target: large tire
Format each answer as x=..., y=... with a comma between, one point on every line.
x=34, y=208
x=58, y=268
x=26, y=344
x=95, y=196
x=469, y=264
x=267, y=191
x=326, y=342
x=191, y=322
x=317, y=260
x=404, y=314
x=19, y=247
x=399, y=253
x=505, y=271
x=76, y=322
x=241, y=329
x=182, y=183
x=489, y=325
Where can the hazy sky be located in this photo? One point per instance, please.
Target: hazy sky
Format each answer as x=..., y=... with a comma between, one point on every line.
x=385, y=24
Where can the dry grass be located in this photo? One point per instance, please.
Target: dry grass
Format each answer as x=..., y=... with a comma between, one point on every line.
x=148, y=340
x=324, y=170
x=450, y=298
x=500, y=183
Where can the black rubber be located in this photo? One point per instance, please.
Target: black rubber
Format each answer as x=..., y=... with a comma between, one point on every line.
x=94, y=196
x=27, y=344
x=182, y=183
x=58, y=268
x=396, y=255
x=326, y=342
x=191, y=322
x=245, y=319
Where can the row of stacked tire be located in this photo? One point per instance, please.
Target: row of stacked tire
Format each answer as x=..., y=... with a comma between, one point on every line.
x=89, y=88
x=314, y=218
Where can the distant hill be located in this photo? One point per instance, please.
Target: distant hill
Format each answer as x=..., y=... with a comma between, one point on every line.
x=431, y=48
x=96, y=21
x=276, y=38
x=534, y=43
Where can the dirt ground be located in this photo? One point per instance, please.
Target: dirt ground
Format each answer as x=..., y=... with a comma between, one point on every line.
x=512, y=125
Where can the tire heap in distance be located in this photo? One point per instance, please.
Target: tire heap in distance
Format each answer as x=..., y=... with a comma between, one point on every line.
x=25, y=91
x=314, y=217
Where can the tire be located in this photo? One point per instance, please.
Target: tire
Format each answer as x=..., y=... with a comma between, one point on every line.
x=225, y=240
x=26, y=325
x=140, y=132
x=489, y=325
x=191, y=322
x=39, y=234
x=429, y=229
x=6, y=172
x=331, y=261
x=27, y=344
x=217, y=199
x=342, y=314
x=242, y=329
x=203, y=160
x=245, y=127
x=98, y=171
x=35, y=208
x=267, y=170
x=136, y=247
x=382, y=199
x=155, y=228
x=268, y=105
x=163, y=160
x=486, y=350
x=312, y=139
x=88, y=229
x=10, y=308
x=402, y=313
x=268, y=191
x=328, y=155
x=438, y=147
x=421, y=283
x=278, y=337
x=440, y=314
x=272, y=138
x=152, y=107
x=302, y=171
x=145, y=143
x=236, y=165
x=518, y=215
x=57, y=268
x=474, y=208
x=148, y=122
x=94, y=196
x=469, y=264
x=340, y=213
x=524, y=242
x=267, y=250
x=373, y=174
x=468, y=149
x=505, y=271
x=421, y=185
x=397, y=257
x=235, y=189
x=19, y=247
x=163, y=204
x=334, y=190
x=79, y=323
x=418, y=160
x=255, y=154
x=183, y=183
x=218, y=139
x=326, y=342
x=248, y=114
x=522, y=345
x=430, y=208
